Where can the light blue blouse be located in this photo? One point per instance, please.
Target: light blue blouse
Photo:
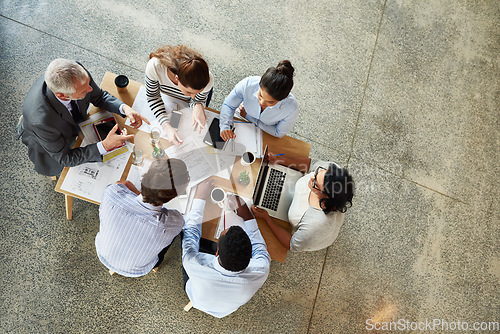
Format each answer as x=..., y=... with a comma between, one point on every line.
x=277, y=120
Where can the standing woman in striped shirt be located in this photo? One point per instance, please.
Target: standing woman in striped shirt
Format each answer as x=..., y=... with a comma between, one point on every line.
x=180, y=72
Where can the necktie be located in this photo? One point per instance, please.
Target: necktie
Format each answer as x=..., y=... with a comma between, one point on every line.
x=75, y=112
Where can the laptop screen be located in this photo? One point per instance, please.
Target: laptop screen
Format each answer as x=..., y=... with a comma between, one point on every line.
x=258, y=184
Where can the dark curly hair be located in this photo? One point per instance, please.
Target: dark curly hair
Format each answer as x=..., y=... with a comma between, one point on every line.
x=164, y=180
x=339, y=188
x=235, y=249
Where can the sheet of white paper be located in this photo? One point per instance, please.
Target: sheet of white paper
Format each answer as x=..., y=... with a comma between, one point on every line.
x=250, y=137
x=141, y=106
x=136, y=172
x=219, y=164
x=89, y=180
x=195, y=159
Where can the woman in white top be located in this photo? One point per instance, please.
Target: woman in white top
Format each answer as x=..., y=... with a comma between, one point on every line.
x=181, y=72
x=265, y=101
x=317, y=211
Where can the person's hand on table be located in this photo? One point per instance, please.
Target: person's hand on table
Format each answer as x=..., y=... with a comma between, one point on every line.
x=134, y=117
x=227, y=134
x=242, y=209
x=199, y=117
x=260, y=213
x=242, y=110
x=114, y=140
x=172, y=134
x=204, y=189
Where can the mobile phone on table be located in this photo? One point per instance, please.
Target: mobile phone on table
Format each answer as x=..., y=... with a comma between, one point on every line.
x=103, y=127
x=175, y=119
x=213, y=137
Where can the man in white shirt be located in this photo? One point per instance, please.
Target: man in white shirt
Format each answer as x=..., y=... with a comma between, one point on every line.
x=219, y=284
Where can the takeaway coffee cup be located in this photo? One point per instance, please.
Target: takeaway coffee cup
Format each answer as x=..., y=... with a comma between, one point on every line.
x=218, y=195
x=121, y=83
x=247, y=158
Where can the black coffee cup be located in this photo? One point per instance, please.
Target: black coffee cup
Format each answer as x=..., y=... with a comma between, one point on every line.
x=247, y=158
x=121, y=82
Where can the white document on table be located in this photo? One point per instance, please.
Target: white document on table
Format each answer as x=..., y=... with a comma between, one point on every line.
x=142, y=107
x=195, y=159
x=250, y=137
x=89, y=180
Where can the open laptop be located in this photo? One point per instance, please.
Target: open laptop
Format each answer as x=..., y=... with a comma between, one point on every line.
x=274, y=188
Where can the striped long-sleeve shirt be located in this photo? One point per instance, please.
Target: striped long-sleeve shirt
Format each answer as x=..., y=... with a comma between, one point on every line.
x=132, y=233
x=158, y=81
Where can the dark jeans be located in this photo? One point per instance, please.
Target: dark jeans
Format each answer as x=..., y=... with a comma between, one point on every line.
x=206, y=246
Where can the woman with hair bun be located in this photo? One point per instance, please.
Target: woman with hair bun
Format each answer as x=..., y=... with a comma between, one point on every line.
x=265, y=101
x=320, y=199
x=181, y=72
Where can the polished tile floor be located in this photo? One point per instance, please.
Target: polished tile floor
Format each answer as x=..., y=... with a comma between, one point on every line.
x=404, y=93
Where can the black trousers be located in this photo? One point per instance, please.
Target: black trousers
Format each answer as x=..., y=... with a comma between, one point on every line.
x=161, y=255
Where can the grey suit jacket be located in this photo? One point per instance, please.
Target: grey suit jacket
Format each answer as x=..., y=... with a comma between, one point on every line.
x=50, y=132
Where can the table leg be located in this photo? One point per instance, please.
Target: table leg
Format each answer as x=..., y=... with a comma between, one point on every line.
x=69, y=206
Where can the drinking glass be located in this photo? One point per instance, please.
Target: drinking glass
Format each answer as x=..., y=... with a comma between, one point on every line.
x=137, y=156
x=155, y=136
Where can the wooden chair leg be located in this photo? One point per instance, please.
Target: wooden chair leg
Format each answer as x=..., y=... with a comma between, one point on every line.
x=69, y=206
x=53, y=178
x=188, y=307
x=111, y=272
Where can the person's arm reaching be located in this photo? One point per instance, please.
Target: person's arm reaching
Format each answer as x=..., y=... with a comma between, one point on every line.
x=259, y=247
x=130, y=186
x=192, y=228
x=281, y=234
x=232, y=101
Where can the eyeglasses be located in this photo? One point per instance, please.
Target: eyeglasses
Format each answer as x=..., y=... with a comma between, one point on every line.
x=315, y=180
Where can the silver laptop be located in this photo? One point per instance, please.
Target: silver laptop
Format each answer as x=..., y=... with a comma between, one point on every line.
x=274, y=188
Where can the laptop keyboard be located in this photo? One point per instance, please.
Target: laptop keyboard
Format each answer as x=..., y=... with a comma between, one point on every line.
x=273, y=190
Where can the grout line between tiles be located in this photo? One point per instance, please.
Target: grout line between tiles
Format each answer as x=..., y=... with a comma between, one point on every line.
x=317, y=291
x=350, y=153
x=66, y=41
x=366, y=84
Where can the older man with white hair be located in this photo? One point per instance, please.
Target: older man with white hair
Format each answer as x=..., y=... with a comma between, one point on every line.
x=54, y=106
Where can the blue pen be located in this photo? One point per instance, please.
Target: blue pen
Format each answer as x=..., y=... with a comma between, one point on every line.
x=279, y=155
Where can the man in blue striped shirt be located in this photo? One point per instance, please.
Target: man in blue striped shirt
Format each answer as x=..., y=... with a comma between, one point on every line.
x=135, y=229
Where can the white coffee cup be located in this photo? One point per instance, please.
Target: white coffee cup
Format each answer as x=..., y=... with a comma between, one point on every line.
x=218, y=195
x=247, y=159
